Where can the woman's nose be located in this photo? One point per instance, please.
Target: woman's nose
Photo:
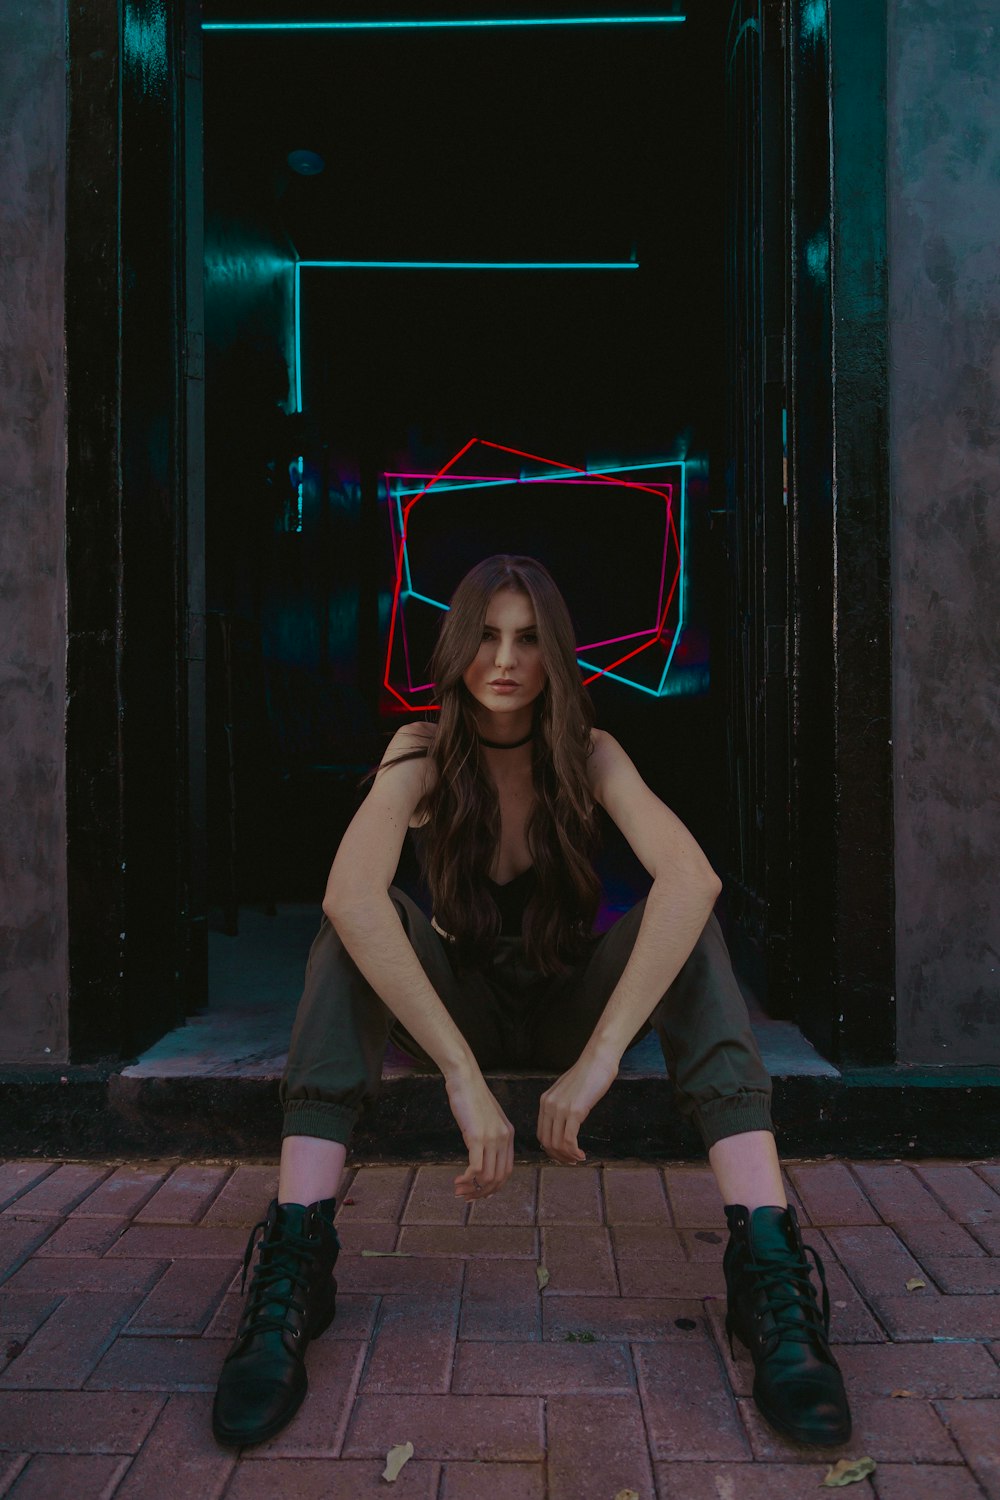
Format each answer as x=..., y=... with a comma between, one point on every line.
x=505, y=654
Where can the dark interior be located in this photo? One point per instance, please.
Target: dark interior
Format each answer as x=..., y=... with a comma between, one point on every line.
x=554, y=144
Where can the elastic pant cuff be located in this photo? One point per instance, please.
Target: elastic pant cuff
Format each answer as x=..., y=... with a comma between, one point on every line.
x=329, y=1122
x=735, y=1115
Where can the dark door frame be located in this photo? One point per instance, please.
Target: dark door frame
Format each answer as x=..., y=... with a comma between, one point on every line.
x=844, y=928
x=135, y=797
x=135, y=949
x=821, y=924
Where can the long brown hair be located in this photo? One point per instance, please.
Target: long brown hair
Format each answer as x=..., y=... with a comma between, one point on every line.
x=462, y=809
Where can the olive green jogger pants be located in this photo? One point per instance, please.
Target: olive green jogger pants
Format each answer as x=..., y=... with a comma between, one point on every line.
x=515, y=1017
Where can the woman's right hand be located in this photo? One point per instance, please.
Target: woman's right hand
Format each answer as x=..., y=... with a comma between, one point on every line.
x=486, y=1131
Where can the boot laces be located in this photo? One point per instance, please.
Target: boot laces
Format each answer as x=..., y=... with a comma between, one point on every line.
x=277, y=1281
x=790, y=1298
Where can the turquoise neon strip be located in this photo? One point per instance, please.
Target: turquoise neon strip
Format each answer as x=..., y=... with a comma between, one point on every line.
x=487, y=484
x=433, y=265
x=412, y=594
x=441, y=25
x=296, y=296
x=476, y=265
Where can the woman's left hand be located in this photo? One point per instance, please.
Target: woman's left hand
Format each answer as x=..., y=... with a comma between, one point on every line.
x=563, y=1108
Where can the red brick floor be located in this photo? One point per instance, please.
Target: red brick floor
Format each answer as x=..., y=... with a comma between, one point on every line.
x=119, y=1294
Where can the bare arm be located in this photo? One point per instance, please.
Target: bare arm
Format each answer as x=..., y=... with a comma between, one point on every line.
x=684, y=891
x=359, y=908
x=680, y=902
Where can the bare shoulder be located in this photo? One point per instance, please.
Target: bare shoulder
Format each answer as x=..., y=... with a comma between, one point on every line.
x=407, y=739
x=405, y=775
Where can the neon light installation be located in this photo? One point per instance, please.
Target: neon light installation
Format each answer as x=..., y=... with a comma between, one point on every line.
x=448, y=480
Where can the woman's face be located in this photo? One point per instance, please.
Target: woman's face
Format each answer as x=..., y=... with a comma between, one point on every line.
x=506, y=674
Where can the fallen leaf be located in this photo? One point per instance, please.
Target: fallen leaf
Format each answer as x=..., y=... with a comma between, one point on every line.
x=348, y=1203
x=402, y=1254
x=840, y=1304
x=848, y=1471
x=902, y=1392
x=542, y=1276
x=627, y=1495
x=914, y=1284
x=395, y=1459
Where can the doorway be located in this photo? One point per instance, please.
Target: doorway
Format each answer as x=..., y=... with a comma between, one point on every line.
x=576, y=174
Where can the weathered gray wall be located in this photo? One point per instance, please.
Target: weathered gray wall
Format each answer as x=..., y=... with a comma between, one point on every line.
x=944, y=270
x=33, y=925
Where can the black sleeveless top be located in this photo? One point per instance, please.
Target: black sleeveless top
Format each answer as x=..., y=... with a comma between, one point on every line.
x=511, y=898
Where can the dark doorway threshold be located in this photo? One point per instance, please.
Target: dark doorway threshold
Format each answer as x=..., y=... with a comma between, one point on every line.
x=210, y=1088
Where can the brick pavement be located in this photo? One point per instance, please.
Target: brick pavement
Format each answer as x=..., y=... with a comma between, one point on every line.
x=118, y=1296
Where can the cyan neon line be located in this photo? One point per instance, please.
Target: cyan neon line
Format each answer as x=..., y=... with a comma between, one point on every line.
x=582, y=476
x=670, y=657
x=617, y=677
x=412, y=594
x=474, y=265
x=297, y=318
x=450, y=25
x=396, y=544
x=438, y=265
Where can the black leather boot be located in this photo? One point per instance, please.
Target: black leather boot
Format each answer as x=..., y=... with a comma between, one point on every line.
x=772, y=1309
x=292, y=1299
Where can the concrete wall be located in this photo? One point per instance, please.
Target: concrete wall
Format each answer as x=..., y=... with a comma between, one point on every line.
x=944, y=269
x=33, y=920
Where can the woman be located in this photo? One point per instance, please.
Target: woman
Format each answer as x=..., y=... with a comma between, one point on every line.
x=503, y=790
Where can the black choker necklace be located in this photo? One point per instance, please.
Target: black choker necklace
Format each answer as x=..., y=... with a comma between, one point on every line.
x=511, y=745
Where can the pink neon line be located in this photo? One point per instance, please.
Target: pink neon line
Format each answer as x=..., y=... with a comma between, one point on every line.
x=399, y=585
x=612, y=639
x=402, y=612
x=479, y=478
x=571, y=468
x=663, y=564
x=629, y=654
x=402, y=620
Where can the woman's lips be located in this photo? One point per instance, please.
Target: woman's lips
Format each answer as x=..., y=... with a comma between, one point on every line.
x=505, y=687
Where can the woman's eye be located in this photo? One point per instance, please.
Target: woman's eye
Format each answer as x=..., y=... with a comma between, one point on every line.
x=530, y=639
